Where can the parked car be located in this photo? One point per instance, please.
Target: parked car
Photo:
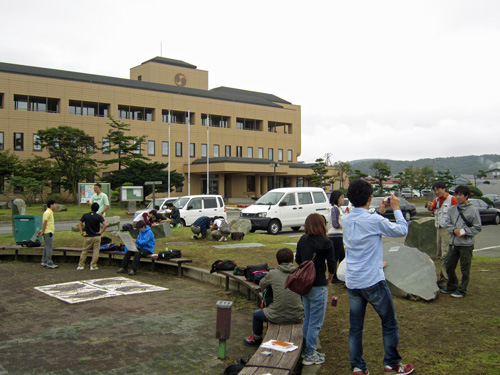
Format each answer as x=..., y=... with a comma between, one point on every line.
x=408, y=209
x=487, y=213
x=410, y=193
x=286, y=207
x=162, y=202
x=495, y=198
x=191, y=207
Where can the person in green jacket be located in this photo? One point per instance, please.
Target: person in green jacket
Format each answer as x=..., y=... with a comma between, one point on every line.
x=286, y=307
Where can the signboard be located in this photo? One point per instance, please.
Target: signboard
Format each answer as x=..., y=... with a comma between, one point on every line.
x=86, y=190
x=132, y=193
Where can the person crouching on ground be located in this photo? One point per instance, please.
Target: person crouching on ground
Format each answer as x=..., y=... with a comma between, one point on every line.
x=220, y=229
x=365, y=279
x=92, y=239
x=200, y=226
x=286, y=307
x=463, y=223
x=147, y=218
x=175, y=216
x=145, y=244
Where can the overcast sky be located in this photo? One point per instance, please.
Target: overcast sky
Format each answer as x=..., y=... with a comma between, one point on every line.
x=375, y=79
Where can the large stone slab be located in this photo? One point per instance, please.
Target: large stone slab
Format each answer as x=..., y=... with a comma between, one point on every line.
x=238, y=245
x=240, y=225
x=422, y=235
x=409, y=272
x=161, y=230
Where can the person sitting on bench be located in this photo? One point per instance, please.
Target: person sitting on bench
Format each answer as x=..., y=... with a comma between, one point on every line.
x=286, y=307
x=145, y=244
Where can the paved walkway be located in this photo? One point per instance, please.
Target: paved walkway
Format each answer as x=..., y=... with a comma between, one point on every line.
x=169, y=332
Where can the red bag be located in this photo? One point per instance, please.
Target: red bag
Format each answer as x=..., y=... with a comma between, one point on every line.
x=302, y=278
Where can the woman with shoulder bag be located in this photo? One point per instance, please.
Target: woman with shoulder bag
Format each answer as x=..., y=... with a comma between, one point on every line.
x=315, y=242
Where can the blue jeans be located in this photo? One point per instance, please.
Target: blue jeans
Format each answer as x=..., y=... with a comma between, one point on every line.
x=380, y=298
x=314, y=315
x=258, y=322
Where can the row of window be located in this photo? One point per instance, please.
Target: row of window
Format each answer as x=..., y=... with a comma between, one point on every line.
x=95, y=109
x=19, y=146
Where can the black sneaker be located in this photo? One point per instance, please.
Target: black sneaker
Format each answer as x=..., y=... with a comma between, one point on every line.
x=252, y=341
x=122, y=270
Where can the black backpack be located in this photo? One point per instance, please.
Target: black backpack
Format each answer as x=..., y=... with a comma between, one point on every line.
x=223, y=265
x=235, y=369
x=256, y=273
x=105, y=240
x=31, y=243
x=169, y=254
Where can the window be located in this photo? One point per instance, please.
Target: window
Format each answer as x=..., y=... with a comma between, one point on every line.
x=178, y=149
x=304, y=198
x=137, y=148
x=249, y=152
x=203, y=150
x=1, y=100
x=210, y=202
x=164, y=148
x=290, y=199
x=177, y=117
x=151, y=147
x=279, y=127
x=19, y=141
x=227, y=151
x=78, y=107
x=260, y=153
x=290, y=156
x=139, y=78
x=36, y=104
x=105, y=146
x=135, y=113
x=216, y=121
x=192, y=150
x=270, y=155
x=248, y=124
x=216, y=151
x=2, y=143
x=195, y=204
x=178, y=189
x=239, y=151
x=319, y=197
x=280, y=154
x=36, y=143
x=300, y=181
x=250, y=183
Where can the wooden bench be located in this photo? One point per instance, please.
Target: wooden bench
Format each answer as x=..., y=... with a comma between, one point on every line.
x=241, y=280
x=277, y=363
x=177, y=261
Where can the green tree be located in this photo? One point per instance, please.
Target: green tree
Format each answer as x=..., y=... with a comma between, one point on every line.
x=342, y=170
x=138, y=172
x=72, y=150
x=9, y=164
x=124, y=147
x=357, y=174
x=480, y=174
x=320, y=173
x=424, y=178
x=446, y=177
x=28, y=187
x=382, y=173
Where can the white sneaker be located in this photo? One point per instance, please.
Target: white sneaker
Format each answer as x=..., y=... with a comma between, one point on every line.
x=80, y=268
x=221, y=239
x=52, y=266
x=43, y=264
x=94, y=268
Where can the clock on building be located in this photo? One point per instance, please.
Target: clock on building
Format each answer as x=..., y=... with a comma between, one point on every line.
x=180, y=79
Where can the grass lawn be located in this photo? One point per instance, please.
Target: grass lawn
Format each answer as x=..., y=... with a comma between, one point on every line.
x=445, y=336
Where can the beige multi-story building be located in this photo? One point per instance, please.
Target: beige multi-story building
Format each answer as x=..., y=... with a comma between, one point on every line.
x=251, y=138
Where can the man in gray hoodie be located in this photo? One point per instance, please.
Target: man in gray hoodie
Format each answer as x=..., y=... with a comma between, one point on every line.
x=463, y=223
x=286, y=307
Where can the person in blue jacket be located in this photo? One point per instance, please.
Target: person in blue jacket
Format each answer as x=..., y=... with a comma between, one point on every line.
x=145, y=244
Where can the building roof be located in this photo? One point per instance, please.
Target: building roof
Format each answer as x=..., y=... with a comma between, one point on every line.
x=164, y=60
x=226, y=94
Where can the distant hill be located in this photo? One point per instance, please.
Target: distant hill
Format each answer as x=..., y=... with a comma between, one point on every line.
x=457, y=165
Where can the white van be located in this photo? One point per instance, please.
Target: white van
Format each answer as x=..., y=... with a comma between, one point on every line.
x=191, y=207
x=286, y=207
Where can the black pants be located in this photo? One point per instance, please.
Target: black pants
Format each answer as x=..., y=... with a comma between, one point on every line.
x=456, y=253
x=338, y=248
x=137, y=258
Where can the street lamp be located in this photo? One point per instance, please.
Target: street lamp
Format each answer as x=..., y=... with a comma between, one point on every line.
x=274, y=165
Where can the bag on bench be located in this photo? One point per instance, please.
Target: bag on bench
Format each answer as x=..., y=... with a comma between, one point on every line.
x=169, y=254
x=31, y=243
x=105, y=240
x=108, y=246
x=256, y=273
x=223, y=265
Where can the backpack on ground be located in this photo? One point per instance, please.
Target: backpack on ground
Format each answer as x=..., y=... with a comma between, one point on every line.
x=256, y=273
x=223, y=265
x=237, y=236
x=236, y=368
x=169, y=254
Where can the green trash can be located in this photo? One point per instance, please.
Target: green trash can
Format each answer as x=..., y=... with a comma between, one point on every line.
x=25, y=227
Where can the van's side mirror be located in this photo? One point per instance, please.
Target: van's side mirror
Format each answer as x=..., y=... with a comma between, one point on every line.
x=282, y=204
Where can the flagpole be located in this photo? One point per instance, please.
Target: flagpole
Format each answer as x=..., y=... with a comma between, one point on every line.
x=169, y=153
x=189, y=157
x=208, y=178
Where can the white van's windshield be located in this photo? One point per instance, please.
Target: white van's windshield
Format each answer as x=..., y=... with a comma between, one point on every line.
x=152, y=204
x=270, y=198
x=181, y=202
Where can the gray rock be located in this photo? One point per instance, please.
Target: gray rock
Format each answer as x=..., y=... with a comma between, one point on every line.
x=60, y=208
x=19, y=207
x=240, y=225
x=409, y=272
x=422, y=235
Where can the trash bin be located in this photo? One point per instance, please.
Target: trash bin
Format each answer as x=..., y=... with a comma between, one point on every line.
x=25, y=226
